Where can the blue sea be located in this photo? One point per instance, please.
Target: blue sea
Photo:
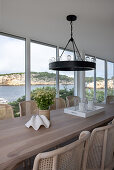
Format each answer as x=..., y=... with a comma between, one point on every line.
x=12, y=93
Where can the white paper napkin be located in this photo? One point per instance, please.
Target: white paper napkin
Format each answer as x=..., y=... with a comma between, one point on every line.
x=37, y=120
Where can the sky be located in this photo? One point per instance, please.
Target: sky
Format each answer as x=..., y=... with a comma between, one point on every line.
x=12, y=57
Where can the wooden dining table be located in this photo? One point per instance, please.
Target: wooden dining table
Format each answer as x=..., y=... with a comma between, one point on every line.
x=18, y=142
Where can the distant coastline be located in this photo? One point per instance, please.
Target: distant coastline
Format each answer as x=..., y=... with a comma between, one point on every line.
x=45, y=78
x=40, y=78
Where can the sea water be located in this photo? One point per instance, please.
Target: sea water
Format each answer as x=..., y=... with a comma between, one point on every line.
x=12, y=93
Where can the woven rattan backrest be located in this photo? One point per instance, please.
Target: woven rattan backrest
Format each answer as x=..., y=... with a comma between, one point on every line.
x=72, y=101
x=28, y=107
x=101, y=148
x=109, y=99
x=69, y=157
x=59, y=103
x=6, y=111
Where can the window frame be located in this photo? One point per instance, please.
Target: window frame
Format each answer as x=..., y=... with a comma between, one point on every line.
x=28, y=64
x=57, y=73
x=18, y=38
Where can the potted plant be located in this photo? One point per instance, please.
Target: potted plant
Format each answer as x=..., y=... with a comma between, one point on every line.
x=44, y=97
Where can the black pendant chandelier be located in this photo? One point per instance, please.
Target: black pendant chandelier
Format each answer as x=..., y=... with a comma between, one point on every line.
x=78, y=64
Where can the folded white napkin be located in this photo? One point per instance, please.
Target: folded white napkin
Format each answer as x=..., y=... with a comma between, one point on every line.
x=37, y=120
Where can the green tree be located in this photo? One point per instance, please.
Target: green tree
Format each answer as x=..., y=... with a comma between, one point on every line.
x=99, y=96
x=89, y=94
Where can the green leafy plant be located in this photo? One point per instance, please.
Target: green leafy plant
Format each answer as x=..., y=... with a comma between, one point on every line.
x=44, y=97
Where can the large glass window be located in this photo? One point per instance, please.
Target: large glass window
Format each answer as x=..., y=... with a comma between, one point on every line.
x=110, y=79
x=41, y=76
x=12, y=71
x=66, y=78
x=100, y=82
x=89, y=82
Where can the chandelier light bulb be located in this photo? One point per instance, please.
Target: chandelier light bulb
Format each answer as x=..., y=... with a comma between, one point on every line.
x=68, y=57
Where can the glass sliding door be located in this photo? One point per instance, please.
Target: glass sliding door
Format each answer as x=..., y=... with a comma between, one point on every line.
x=66, y=78
x=12, y=71
x=100, y=80
x=110, y=79
x=41, y=76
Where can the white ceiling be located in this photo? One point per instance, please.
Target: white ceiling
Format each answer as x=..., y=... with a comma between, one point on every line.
x=45, y=20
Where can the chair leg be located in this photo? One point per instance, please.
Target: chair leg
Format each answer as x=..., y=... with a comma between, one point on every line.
x=24, y=164
x=29, y=162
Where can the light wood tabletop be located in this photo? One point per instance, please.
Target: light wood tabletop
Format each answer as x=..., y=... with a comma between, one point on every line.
x=17, y=142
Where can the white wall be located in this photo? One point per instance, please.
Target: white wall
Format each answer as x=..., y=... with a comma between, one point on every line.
x=45, y=21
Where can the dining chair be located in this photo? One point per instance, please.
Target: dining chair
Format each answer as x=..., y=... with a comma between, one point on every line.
x=6, y=111
x=28, y=107
x=101, y=149
x=72, y=101
x=69, y=157
x=59, y=103
x=109, y=99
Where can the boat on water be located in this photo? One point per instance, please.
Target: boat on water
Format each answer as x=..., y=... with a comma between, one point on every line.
x=3, y=101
